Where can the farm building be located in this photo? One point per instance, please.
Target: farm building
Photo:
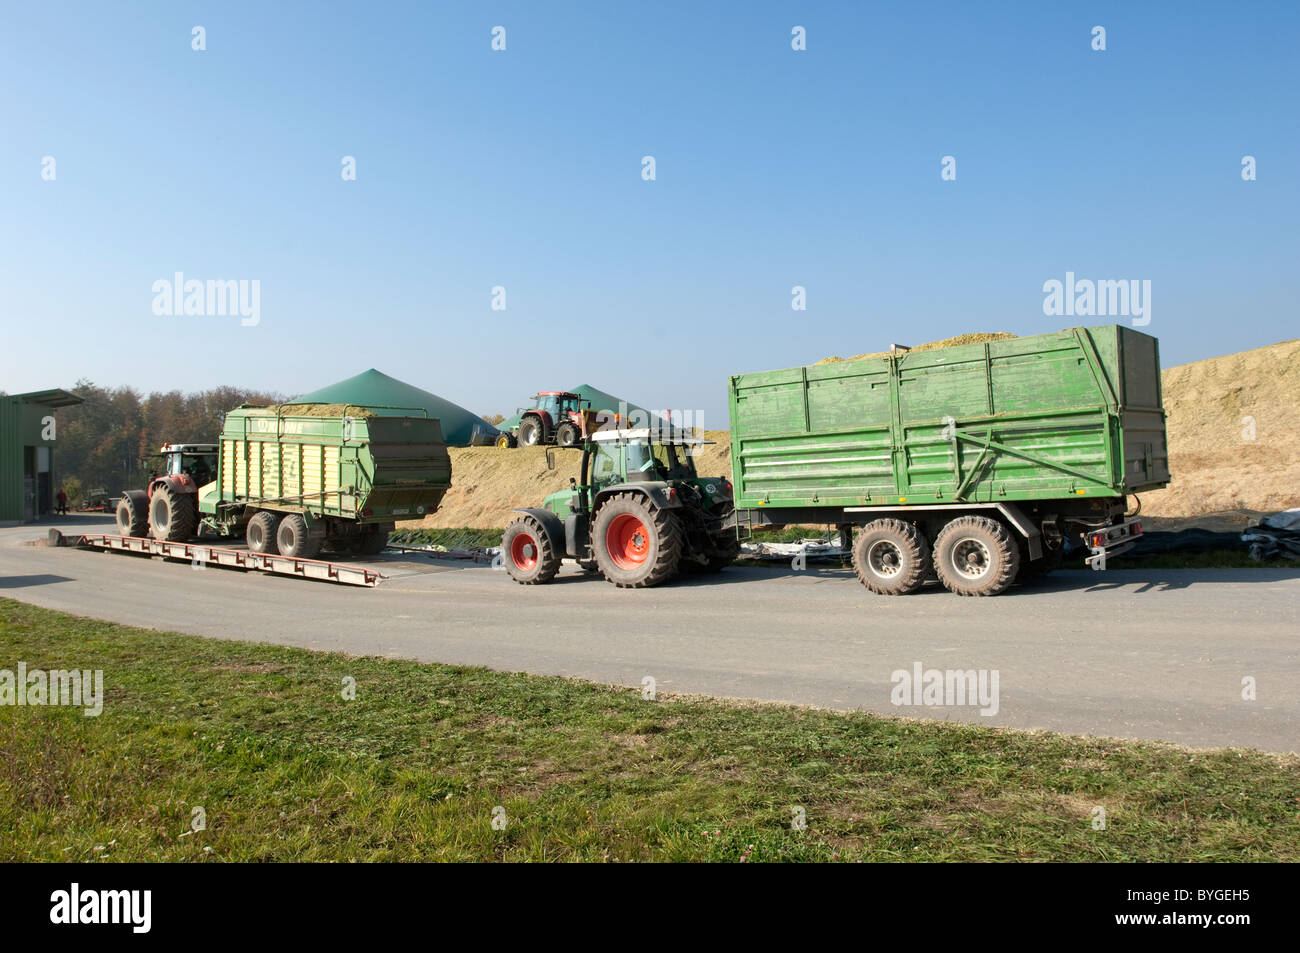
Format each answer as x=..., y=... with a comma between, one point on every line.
x=27, y=438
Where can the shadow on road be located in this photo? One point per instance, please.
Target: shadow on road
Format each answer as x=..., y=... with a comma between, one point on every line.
x=36, y=579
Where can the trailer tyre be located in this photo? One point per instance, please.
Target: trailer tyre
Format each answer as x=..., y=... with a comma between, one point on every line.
x=133, y=514
x=636, y=544
x=173, y=517
x=260, y=533
x=976, y=556
x=891, y=557
x=528, y=554
x=294, y=540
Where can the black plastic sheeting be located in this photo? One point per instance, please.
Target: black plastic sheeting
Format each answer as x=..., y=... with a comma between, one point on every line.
x=1184, y=541
x=1270, y=542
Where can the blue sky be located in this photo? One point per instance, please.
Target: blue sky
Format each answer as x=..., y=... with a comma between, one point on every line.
x=522, y=169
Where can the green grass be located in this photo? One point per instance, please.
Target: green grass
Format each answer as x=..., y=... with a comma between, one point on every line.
x=286, y=769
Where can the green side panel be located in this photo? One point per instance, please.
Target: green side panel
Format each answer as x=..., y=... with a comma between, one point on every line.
x=1067, y=414
x=372, y=469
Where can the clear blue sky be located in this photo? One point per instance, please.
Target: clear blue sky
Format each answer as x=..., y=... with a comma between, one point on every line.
x=522, y=168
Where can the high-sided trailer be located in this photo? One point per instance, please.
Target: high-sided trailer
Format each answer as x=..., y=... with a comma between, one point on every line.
x=977, y=463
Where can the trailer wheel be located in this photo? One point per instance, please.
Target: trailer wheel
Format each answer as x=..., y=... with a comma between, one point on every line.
x=294, y=540
x=526, y=549
x=566, y=435
x=637, y=545
x=133, y=514
x=261, y=532
x=976, y=556
x=173, y=517
x=891, y=557
x=531, y=432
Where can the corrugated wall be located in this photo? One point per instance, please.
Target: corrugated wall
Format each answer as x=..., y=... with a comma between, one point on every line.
x=11, y=459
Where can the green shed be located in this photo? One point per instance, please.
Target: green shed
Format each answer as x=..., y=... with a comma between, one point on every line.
x=28, y=435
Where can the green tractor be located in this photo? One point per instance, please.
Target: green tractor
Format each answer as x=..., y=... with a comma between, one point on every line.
x=639, y=515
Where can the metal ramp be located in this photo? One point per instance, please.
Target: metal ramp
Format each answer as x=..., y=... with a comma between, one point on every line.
x=201, y=554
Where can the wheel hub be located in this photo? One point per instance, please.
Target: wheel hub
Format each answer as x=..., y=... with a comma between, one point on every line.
x=971, y=559
x=885, y=559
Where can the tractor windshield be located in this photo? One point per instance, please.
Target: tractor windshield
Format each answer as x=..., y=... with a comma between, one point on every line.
x=673, y=462
x=658, y=461
x=604, y=465
x=197, y=466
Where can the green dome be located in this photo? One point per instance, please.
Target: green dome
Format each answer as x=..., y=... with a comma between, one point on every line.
x=387, y=396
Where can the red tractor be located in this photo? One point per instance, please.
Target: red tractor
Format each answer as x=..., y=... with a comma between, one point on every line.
x=556, y=417
x=168, y=509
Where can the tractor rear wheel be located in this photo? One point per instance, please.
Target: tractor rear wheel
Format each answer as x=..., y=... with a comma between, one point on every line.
x=528, y=554
x=133, y=514
x=636, y=544
x=566, y=435
x=976, y=556
x=261, y=531
x=173, y=516
x=531, y=432
x=891, y=557
x=294, y=539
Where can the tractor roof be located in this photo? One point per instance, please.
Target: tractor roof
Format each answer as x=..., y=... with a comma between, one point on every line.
x=648, y=434
x=188, y=448
x=555, y=393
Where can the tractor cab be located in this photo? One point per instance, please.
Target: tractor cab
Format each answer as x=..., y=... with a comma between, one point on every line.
x=660, y=463
x=198, y=461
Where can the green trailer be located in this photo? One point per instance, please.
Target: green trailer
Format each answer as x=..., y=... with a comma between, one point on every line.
x=294, y=479
x=975, y=463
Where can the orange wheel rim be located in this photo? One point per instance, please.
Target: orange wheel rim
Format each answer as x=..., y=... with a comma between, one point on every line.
x=523, y=551
x=628, y=541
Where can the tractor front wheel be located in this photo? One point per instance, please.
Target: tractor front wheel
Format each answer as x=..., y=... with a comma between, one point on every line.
x=566, y=435
x=133, y=513
x=505, y=441
x=636, y=544
x=528, y=554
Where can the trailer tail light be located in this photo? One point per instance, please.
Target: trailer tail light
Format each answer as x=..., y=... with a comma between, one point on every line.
x=1137, y=529
x=367, y=512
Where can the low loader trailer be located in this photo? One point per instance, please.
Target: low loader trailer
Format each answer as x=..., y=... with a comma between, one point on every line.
x=977, y=464
x=201, y=555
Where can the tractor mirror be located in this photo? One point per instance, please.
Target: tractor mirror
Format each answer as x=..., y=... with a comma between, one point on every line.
x=550, y=459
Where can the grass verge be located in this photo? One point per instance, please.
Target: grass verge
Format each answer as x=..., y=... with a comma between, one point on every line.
x=285, y=768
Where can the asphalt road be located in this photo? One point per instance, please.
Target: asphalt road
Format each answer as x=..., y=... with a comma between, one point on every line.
x=1160, y=654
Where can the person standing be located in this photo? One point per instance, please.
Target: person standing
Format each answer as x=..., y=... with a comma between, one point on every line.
x=62, y=499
